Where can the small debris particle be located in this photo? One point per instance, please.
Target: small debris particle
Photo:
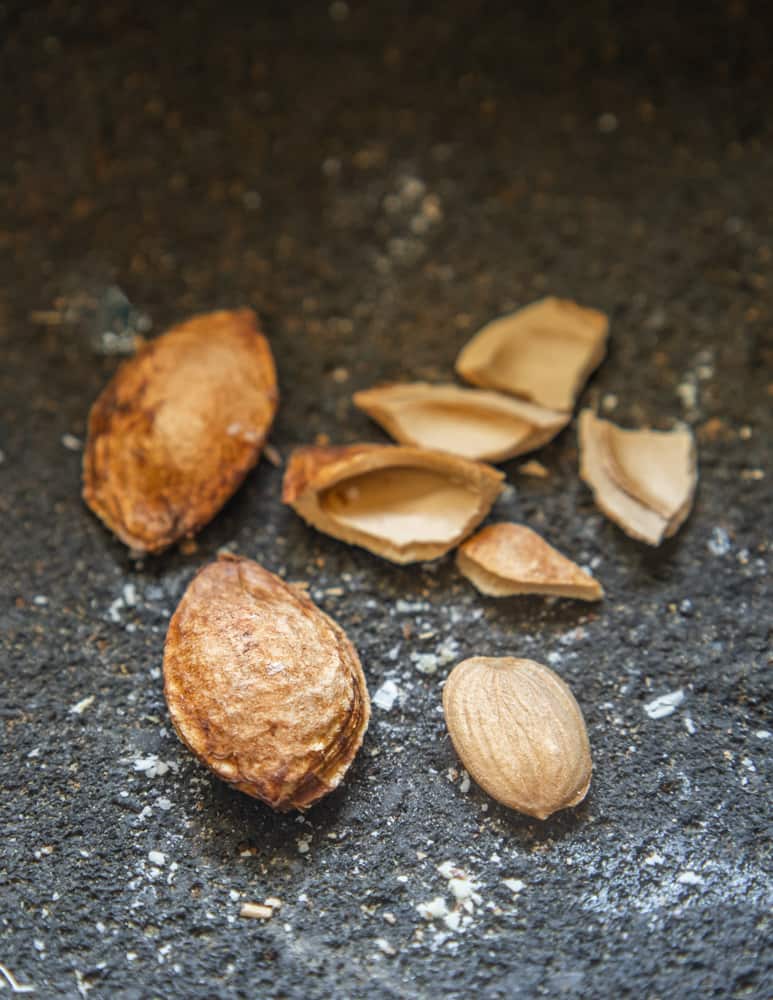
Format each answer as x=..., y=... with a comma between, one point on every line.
x=607, y=123
x=272, y=455
x=654, y=858
x=386, y=695
x=71, y=442
x=435, y=909
x=745, y=433
x=690, y=726
x=153, y=767
x=609, y=402
x=425, y=663
x=688, y=394
x=535, y=469
x=303, y=844
x=40, y=600
x=274, y=902
x=256, y=911
x=129, y=595
x=763, y=734
x=390, y=918
x=515, y=885
x=16, y=986
x=157, y=858
x=689, y=878
x=386, y=947
x=752, y=475
x=80, y=707
x=464, y=784
x=340, y=375
x=164, y=803
x=719, y=544
x=665, y=705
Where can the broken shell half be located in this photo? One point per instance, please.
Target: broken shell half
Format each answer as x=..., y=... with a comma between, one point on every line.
x=405, y=504
x=502, y=560
x=262, y=686
x=472, y=423
x=178, y=427
x=642, y=480
x=544, y=352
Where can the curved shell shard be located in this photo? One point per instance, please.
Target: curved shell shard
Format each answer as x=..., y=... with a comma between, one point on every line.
x=405, y=504
x=642, y=480
x=472, y=423
x=544, y=352
x=503, y=560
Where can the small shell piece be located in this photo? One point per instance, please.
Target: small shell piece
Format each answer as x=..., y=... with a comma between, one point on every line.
x=178, y=427
x=506, y=559
x=472, y=423
x=544, y=352
x=643, y=480
x=519, y=732
x=405, y=504
x=262, y=686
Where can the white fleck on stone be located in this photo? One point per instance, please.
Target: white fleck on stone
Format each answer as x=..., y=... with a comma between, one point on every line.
x=71, y=442
x=464, y=784
x=761, y=734
x=153, y=767
x=665, y=705
x=515, y=885
x=719, y=544
x=688, y=394
x=40, y=600
x=689, y=878
x=434, y=909
x=164, y=803
x=36, y=751
x=80, y=707
x=256, y=911
x=383, y=945
x=157, y=858
x=609, y=402
x=425, y=663
x=689, y=725
x=653, y=858
x=453, y=920
x=114, y=609
x=303, y=844
x=407, y=607
x=386, y=695
x=129, y=595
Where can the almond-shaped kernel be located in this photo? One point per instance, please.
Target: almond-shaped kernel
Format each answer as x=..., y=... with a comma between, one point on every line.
x=642, y=480
x=472, y=423
x=178, y=427
x=504, y=559
x=544, y=352
x=519, y=732
x=405, y=504
x=262, y=686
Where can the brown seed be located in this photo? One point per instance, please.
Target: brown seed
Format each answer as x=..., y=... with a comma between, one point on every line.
x=472, y=423
x=262, y=686
x=544, y=352
x=405, y=504
x=502, y=560
x=519, y=732
x=643, y=480
x=178, y=427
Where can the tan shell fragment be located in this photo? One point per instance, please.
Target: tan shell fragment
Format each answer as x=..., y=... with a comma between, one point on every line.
x=262, y=686
x=405, y=504
x=544, y=352
x=519, y=732
x=472, y=423
x=643, y=480
x=178, y=427
x=506, y=559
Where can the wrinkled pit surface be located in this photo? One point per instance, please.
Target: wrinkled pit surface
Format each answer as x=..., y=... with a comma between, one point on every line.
x=465, y=430
x=402, y=504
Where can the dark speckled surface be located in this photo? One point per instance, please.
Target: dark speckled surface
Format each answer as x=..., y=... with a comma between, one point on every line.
x=378, y=184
